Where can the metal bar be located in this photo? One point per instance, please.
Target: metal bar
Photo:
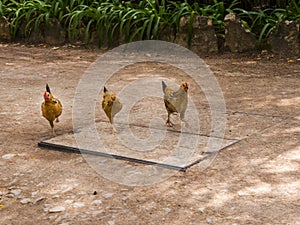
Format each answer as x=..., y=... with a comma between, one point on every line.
x=175, y=131
x=208, y=154
x=247, y=113
x=63, y=148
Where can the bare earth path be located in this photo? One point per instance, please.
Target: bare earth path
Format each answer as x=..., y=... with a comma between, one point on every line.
x=256, y=181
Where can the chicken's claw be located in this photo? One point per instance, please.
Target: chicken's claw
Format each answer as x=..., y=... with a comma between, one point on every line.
x=169, y=123
x=114, y=130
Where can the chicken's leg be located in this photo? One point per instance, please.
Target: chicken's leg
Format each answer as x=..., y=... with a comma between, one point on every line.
x=169, y=123
x=52, y=127
x=114, y=130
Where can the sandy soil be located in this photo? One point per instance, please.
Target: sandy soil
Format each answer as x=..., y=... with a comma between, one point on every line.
x=255, y=181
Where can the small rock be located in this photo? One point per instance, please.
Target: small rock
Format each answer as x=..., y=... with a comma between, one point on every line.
x=57, y=209
x=82, y=193
x=55, y=196
x=96, y=202
x=95, y=213
x=34, y=193
x=46, y=206
x=8, y=156
x=111, y=222
x=201, y=210
x=1, y=193
x=149, y=207
x=13, y=181
x=210, y=220
x=167, y=210
x=40, y=184
x=108, y=195
x=16, y=192
x=25, y=201
x=20, y=197
x=9, y=195
x=39, y=200
x=69, y=201
x=78, y=204
x=12, y=187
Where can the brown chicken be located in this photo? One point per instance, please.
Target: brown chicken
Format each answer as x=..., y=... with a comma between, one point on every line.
x=175, y=101
x=111, y=106
x=51, y=108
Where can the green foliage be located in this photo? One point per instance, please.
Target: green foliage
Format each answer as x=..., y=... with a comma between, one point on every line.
x=137, y=20
x=263, y=22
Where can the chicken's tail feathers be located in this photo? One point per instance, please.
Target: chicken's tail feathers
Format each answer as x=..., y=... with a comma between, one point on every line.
x=48, y=88
x=164, y=86
x=105, y=89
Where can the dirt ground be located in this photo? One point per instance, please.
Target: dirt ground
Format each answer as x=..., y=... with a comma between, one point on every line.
x=255, y=181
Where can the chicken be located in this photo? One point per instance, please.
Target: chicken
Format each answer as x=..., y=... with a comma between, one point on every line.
x=175, y=101
x=111, y=106
x=51, y=108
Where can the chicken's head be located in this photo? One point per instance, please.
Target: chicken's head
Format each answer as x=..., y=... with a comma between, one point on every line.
x=47, y=96
x=185, y=86
x=113, y=96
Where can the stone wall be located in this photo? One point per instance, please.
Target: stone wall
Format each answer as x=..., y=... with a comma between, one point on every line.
x=283, y=40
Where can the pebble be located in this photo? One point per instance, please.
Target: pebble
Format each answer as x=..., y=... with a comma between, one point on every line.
x=12, y=187
x=210, y=220
x=38, y=200
x=108, y=195
x=9, y=195
x=82, y=193
x=57, y=209
x=46, y=207
x=96, y=202
x=167, y=210
x=25, y=201
x=20, y=197
x=149, y=207
x=8, y=156
x=55, y=196
x=201, y=210
x=111, y=222
x=34, y=193
x=95, y=213
x=78, y=204
x=69, y=201
x=16, y=191
x=40, y=184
